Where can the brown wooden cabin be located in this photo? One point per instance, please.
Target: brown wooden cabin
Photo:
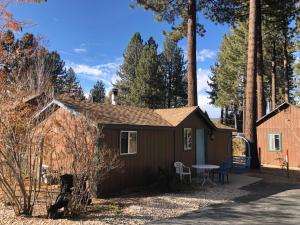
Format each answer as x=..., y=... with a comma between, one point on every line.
x=145, y=139
x=278, y=135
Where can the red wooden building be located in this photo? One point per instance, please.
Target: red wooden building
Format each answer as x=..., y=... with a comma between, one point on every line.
x=145, y=139
x=278, y=137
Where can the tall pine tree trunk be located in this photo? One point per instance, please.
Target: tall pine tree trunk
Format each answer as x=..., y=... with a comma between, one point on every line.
x=192, y=66
x=235, y=118
x=222, y=116
x=169, y=88
x=285, y=69
x=261, y=105
x=244, y=115
x=226, y=116
x=273, y=78
x=250, y=128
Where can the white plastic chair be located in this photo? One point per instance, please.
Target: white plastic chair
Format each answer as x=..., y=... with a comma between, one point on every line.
x=183, y=170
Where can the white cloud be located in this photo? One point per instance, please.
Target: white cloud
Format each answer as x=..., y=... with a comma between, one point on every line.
x=205, y=54
x=94, y=71
x=202, y=78
x=79, y=50
x=201, y=55
x=106, y=72
x=203, y=98
x=203, y=102
x=86, y=95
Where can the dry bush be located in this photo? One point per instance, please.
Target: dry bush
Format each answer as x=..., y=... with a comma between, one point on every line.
x=89, y=161
x=21, y=148
x=238, y=147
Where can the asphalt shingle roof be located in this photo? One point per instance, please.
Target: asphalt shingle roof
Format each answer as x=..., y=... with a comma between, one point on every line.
x=120, y=115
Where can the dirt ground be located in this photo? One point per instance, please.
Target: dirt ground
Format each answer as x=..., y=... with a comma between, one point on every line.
x=137, y=208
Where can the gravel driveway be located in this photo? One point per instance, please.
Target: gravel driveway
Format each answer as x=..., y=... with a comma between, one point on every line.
x=267, y=203
x=141, y=208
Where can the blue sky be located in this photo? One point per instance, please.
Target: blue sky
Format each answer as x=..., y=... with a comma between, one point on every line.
x=91, y=36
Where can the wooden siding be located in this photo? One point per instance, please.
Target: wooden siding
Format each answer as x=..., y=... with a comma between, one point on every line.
x=219, y=149
x=193, y=121
x=55, y=155
x=287, y=123
x=157, y=147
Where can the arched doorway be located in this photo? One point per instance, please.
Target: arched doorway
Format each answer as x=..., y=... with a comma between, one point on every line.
x=240, y=152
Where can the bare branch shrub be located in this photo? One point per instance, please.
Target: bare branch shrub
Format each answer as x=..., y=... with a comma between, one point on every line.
x=88, y=161
x=21, y=148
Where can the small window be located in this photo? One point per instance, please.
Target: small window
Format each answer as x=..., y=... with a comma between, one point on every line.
x=128, y=142
x=187, y=136
x=274, y=142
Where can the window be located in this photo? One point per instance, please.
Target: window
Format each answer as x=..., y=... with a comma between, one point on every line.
x=274, y=142
x=187, y=136
x=128, y=142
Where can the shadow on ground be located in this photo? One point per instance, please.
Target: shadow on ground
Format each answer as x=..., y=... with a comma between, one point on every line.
x=269, y=202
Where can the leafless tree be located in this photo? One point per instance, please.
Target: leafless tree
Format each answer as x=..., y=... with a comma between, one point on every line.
x=89, y=160
x=21, y=148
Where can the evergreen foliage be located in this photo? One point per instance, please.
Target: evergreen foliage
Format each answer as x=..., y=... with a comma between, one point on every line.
x=98, y=92
x=127, y=71
x=174, y=71
x=148, y=87
x=227, y=82
x=152, y=79
x=71, y=85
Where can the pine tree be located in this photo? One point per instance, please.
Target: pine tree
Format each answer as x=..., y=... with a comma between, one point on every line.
x=58, y=71
x=127, y=71
x=148, y=88
x=72, y=86
x=174, y=71
x=98, y=92
x=185, y=12
x=279, y=28
x=261, y=101
x=228, y=74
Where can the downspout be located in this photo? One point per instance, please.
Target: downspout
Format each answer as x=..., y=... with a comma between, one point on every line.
x=98, y=143
x=174, y=138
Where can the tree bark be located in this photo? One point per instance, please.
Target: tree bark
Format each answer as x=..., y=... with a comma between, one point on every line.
x=222, y=116
x=226, y=116
x=235, y=120
x=273, y=78
x=285, y=69
x=169, y=88
x=192, y=66
x=250, y=128
x=261, y=104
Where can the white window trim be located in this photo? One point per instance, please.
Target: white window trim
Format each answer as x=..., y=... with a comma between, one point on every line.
x=280, y=142
x=128, y=131
x=184, y=147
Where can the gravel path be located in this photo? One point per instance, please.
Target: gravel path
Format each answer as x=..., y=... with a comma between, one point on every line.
x=136, y=208
x=269, y=202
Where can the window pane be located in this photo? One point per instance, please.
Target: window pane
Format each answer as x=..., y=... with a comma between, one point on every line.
x=132, y=142
x=124, y=142
x=277, y=142
x=271, y=142
x=187, y=138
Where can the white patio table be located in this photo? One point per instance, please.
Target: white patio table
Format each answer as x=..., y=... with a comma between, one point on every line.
x=207, y=168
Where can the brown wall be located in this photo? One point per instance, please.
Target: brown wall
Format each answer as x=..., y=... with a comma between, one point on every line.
x=155, y=148
x=286, y=122
x=55, y=155
x=194, y=121
x=219, y=149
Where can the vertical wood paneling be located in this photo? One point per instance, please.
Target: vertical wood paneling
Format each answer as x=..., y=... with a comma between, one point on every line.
x=287, y=123
x=155, y=149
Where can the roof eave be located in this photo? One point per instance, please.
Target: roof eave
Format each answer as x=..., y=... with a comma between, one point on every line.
x=266, y=117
